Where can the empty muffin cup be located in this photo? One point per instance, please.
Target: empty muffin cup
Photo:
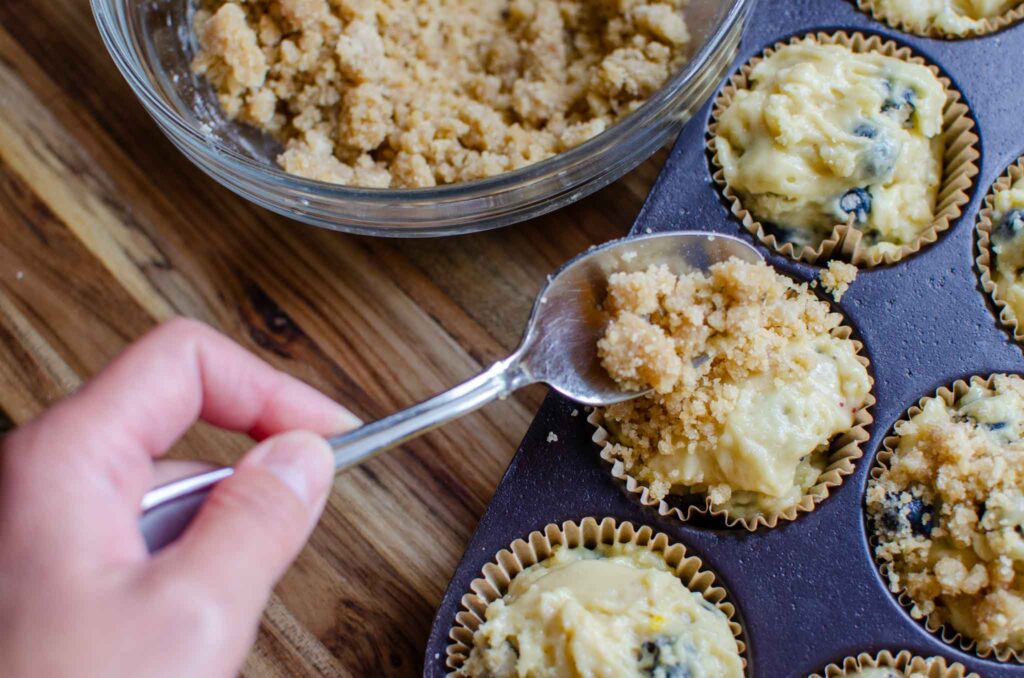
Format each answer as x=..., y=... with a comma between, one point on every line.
x=901, y=507
x=938, y=20
x=846, y=240
x=867, y=666
x=589, y=533
x=1001, y=225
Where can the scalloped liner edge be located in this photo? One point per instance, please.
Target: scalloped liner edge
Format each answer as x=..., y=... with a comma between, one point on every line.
x=985, y=257
x=904, y=661
x=508, y=563
x=959, y=158
x=989, y=25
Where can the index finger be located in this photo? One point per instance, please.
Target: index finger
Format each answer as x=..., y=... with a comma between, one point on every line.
x=142, y=402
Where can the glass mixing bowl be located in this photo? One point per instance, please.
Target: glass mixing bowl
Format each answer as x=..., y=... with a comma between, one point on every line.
x=152, y=44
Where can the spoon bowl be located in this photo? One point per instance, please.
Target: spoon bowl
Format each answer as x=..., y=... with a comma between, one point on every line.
x=560, y=344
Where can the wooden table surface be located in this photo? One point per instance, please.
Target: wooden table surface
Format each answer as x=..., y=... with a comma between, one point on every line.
x=106, y=230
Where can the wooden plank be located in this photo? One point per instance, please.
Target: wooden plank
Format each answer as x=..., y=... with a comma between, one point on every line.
x=105, y=229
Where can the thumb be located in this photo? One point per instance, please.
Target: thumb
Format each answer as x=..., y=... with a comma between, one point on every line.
x=254, y=523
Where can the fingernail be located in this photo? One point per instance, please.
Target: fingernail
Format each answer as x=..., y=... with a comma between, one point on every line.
x=347, y=421
x=300, y=460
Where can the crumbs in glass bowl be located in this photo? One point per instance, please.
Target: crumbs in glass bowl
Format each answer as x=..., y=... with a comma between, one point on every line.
x=413, y=93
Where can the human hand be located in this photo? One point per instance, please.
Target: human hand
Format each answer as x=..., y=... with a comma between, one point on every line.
x=79, y=594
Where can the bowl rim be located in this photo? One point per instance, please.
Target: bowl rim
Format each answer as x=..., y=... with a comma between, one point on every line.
x=110, y=20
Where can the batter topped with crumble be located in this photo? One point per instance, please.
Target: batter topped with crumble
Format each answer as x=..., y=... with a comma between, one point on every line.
x=414, y=93
x=615, y=612
x=948, y=512
x=750, y=384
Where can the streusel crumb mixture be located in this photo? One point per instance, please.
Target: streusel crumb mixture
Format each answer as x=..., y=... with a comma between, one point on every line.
x=749, y=383
x=412, y=93
x=837, y=277
x=949, y=511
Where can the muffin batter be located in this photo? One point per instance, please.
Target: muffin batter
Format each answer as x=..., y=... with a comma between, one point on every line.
x=1008, y=247
x=614, y=612
x=750, y=385
x=825, y=135
x=955, y=17
x=949, y=513
x=412, y=93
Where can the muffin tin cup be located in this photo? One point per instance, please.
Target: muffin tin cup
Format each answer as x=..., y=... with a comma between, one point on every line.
x=949, y=395
x=809, y=591
x=960, y=158
x=986, y=257
x=986, y=27
x=844, y=450
x=905, y=662
x=589, y=532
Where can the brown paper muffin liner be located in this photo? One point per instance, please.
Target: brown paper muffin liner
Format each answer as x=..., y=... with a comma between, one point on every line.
x=589, y=532
x=932, y=667
x=986, y=257
x=948, y=395
x=844, y=450
x=987, y=26
x=959, y=160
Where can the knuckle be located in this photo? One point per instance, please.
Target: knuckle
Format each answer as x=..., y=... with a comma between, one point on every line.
x=181, y=327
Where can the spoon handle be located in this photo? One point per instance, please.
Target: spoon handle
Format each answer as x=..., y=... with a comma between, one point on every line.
x=359, y=445
x=168, y=509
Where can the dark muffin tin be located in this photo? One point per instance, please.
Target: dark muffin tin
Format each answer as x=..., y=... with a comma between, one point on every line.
x=808, y=592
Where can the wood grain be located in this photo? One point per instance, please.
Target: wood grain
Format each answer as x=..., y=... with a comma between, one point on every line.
x=106, y=230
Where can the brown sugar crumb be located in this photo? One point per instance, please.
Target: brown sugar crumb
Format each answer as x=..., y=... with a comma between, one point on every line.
x=750, y=384
x=837, y=278
x=413, y=93
x=949, y=513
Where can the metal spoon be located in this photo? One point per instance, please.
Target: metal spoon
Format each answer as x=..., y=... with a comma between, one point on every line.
x=559, y=349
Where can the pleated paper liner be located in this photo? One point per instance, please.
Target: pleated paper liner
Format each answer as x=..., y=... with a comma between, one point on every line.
x=986, y=27
x=986, y=257
x=904, y=662
x=959, y=161
x=497, y=575
x=948, y=395
x=844, y=450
